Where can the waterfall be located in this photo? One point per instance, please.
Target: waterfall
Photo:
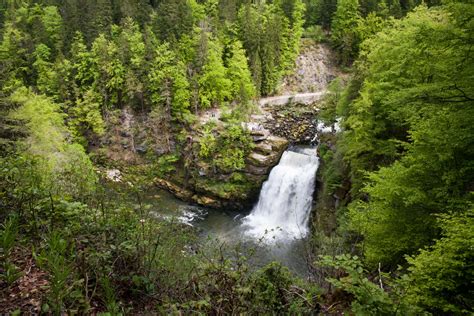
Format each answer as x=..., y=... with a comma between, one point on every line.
x=284, y=205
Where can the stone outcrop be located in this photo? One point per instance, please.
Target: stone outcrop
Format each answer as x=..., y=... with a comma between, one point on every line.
x=267, y=153
x=177, y=190
x=296, y=98
x=188, y=195
x=221, y=190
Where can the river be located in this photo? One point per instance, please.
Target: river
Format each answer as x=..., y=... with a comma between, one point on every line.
x=275, y=229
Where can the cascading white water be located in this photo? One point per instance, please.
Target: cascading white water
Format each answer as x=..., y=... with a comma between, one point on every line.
x=284, y=205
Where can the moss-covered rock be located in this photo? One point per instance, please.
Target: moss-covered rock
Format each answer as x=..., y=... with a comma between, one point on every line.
x=212, y=187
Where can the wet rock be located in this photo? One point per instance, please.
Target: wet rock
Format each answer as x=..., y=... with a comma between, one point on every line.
x=141, y=149
x=259, y=160
x=206, y=201
x=263, y=148
x=114, y=175
x=256, y=130
x=259, y=138
x=175, y=189
x=279, y=144
x=254, y=170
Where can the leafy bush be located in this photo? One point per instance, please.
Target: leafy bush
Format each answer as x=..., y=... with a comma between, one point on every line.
x=225, y=149
x=8, y=235
x=440, y=277
x=369, y=298
x=166, y=164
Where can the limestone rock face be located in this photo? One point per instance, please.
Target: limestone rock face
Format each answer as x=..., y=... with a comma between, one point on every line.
x=279, y=144
x=188, y=195
x=259, y=160
x=177, y=190
x=266, y=154
x=207, y=201
x=258, y=171
x=263, y=148
x=223, y=190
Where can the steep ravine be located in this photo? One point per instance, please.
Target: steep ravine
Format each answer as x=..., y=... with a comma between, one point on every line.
x=281, y=120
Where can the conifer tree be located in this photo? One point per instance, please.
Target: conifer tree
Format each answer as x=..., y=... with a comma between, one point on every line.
x=84, y=67
x=242, y=88
x=168, y=84
x=13, y=58
x=86, y=117
x=214, y=86
x=344, y=25
x=111, y=71
x=46, y=76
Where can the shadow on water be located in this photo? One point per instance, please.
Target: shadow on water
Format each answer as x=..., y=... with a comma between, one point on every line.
x=216, y=226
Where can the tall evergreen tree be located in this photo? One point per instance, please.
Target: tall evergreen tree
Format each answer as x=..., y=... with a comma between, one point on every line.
x=214, y=86
x=344, y=25
x=242, y=88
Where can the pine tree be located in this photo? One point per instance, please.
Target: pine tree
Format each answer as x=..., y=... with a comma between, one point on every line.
x=110, y=77
x=132, y=55
x=174, y=19
x=101, y=16
x=214, y=87
x=85, y=70
x=46, y=76
x=14, y=58
x=53, y=29
x=86, y=117
x=168, y=84
x=344, y=24
x=242, y=88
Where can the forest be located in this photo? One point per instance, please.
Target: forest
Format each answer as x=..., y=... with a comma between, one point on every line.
x=104, y=101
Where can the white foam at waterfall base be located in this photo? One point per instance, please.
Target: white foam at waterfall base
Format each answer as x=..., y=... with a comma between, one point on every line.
x=284, y=205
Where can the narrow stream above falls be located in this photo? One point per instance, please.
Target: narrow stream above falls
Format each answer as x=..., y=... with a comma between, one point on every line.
x=277, y=225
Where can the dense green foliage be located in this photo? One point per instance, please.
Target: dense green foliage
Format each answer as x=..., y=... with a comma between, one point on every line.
x=75, y=74
x=350, y=22
x=413, y=108
x=102, y=255
x=72, y=72
x=270, y=34
x=407, y=149
x=440, y=277
x=42, y=47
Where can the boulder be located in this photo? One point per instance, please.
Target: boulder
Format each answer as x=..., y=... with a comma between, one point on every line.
x=279, y=144
x=256, y=130
x=114, y=175
x=254, y=170
x=263, y=148
x=206, y=201
x=259, y=160
x=175, y=189
x=260, y=138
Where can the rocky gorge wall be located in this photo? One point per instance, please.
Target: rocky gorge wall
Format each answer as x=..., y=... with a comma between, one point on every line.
x=135, y=138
